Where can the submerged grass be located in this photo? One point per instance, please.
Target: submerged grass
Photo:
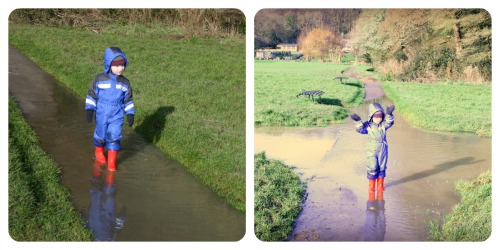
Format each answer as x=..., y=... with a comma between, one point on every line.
x=277, y=84
x=39, y=206
x=279, y=193
x=470, y=220
x=189, y=94
x=443, y=106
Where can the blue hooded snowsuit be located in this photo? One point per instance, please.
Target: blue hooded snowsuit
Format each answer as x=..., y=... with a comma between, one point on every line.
x=111, y=97
x=376, y=148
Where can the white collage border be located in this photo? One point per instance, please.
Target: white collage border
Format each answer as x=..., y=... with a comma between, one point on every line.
x=249, y=8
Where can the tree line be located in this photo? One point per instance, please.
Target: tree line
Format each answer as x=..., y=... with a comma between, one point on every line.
x=194, y=22
x=423, y=45
x=426, y=45
x=274, y=26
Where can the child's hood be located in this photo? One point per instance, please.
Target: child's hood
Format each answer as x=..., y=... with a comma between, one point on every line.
x=374, y=108
x=110, y=54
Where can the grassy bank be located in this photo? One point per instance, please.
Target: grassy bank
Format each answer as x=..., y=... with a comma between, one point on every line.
x=443, y=106
x=189, y=94
x=277, y=84
x=470, y=220
x=279, y=193
x=39, y=206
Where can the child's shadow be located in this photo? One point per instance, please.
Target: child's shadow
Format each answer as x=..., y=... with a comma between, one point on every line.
x=150, y=130
x=153, y=125
x=437, y=169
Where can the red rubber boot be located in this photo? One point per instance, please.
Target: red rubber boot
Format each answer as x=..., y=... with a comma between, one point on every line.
x=112, y=160
x=380, y=184
x=99, y=155
x=371, y=185
x=371, y=196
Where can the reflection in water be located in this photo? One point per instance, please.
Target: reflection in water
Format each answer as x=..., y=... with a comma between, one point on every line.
x=375, y=223
x=103, y=220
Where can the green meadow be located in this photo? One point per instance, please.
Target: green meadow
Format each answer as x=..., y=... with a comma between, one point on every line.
x=277, y=84
x=189, y=93
x=470, y=219
x=447, y=107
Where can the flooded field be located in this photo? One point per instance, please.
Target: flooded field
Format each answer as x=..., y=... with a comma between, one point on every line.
x=422, y=170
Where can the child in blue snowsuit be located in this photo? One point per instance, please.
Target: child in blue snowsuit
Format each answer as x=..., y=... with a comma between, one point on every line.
x=376, y=150
x=110, y=98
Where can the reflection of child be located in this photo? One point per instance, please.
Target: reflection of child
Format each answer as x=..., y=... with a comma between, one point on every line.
x=376, y=150
x=375, y=223
x=110, y=98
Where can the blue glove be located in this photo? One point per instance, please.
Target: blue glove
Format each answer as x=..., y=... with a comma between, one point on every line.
x=355, y=117
x=389, y=110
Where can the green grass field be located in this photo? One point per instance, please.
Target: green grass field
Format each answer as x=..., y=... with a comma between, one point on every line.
x=279, y=193
x=277, y=84
x=189, y=94
x=443, y=106
x=471, y=219
x=39, y=206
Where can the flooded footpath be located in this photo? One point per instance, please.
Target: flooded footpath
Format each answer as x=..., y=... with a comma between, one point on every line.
x=422, y=170
x=150, y=198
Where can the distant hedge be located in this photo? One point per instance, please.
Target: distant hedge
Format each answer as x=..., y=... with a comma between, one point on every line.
x=195, y=22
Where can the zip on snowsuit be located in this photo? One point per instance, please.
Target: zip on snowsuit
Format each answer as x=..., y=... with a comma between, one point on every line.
x=376, y=149
x=111, y=97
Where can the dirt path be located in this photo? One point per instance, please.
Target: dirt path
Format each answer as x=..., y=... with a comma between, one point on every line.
x=372, y=86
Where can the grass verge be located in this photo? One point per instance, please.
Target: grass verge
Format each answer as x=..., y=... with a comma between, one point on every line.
x=39, y=206
x=277, y=84
x=279, y=193
x=470, y=220
x=189, y=94
x=443, y=106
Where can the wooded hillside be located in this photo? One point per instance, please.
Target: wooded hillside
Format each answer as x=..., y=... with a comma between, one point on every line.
x=424, y=45
x=274, y=26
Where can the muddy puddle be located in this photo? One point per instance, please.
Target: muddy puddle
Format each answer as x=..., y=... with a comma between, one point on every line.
x=150, y=198
x=422, y=170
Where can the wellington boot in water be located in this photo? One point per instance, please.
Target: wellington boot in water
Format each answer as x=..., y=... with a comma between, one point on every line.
x=380, y=184
x=112, y=160
x=371, y=196
x=380, y=195
x=371, y=185
x=370, y=203
x=99, y=155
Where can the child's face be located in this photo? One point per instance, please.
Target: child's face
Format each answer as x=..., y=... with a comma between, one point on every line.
x=118, y=69
x=377, y=120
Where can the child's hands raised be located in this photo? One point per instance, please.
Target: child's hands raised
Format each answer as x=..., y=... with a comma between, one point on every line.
x=355, y=117
x=389, y=110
